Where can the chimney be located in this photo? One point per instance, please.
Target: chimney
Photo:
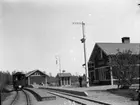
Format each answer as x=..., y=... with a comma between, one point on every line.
x=125, y=40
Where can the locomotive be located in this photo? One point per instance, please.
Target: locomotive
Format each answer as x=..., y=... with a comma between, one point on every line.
x=18, y=81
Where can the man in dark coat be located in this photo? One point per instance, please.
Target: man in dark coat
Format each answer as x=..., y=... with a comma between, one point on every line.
x=80, y=81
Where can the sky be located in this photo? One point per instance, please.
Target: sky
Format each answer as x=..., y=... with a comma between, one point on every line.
x=33, y=33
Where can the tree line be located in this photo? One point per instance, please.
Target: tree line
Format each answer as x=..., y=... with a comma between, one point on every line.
x=5, y=79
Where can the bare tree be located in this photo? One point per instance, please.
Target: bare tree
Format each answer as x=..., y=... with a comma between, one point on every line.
x=125, y=67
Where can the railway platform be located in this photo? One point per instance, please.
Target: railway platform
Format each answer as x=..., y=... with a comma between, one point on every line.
x=44, y=96
x=98, y=93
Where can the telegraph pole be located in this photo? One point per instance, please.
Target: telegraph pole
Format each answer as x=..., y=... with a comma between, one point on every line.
x=139, y=70
x=59, y=65
x=0, y=96
x=58, y=62
x=83, y=40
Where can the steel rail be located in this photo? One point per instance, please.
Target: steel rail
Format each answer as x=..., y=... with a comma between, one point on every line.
x=15, y=98
x=78, y=97
x=27, y=97
x=58, y=94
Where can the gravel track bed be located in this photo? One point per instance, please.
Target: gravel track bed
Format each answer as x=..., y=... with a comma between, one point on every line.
x=58, y=101
x=9, y=99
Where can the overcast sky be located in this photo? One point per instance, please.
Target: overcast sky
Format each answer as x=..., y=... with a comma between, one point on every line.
x=34, y=32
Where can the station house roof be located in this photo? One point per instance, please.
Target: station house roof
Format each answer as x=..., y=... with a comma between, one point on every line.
x=64, y=74
x=33, y=71
x=111, y=48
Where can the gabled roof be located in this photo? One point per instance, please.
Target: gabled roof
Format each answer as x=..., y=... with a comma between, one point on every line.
x=64, y=74
x=111, y=48
x=31, y=72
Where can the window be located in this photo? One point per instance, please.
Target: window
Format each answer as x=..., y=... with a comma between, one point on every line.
x=36, y=74
x=107, y=73
x=101, y=54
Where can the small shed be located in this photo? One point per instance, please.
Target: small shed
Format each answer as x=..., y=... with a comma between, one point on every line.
x=64, y=79
x=36, y=77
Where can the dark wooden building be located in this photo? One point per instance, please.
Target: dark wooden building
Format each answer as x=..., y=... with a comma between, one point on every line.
x=36, y=77
x=64, y=79
x=100, y=72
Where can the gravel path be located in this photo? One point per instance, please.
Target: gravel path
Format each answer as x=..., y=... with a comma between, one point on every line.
x=110, y=98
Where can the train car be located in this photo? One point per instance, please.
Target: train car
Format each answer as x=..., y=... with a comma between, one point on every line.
x=18, y=81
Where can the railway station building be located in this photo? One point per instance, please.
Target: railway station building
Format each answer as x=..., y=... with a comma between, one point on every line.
x=36, y=77
x=99, y=68
x=64, y=79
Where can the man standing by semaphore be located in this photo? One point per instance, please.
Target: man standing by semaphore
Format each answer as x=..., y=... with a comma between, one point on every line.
x=80, y=81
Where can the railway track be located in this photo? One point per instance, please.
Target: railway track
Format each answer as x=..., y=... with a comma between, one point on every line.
x=80, y=100
x=21, y=98
x=14, y=99
x=27, y=98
